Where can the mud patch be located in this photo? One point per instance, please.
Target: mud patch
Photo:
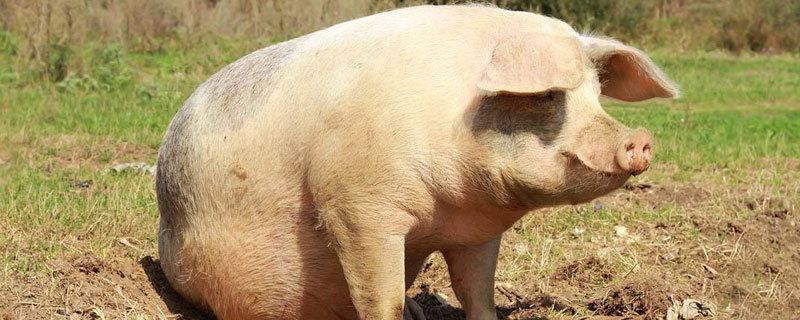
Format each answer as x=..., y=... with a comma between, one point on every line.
x=88, y=264
x=516, y=305
x=522, y=307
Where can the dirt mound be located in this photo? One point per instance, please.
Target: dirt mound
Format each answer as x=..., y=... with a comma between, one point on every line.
x=585, y=272
x=87, y=264
x=523, y=307
x=518, y=305
x=768, y=206
x=648, y=295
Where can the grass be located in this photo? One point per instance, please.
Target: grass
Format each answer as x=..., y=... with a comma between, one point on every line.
x=734, y=110
x=737, y=128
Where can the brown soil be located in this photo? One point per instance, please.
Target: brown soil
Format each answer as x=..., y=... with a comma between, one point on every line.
x=584, y=272
x=87, y=287
x=646, y=295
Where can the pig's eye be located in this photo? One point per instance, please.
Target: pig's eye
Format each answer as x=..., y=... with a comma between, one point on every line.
x=548, y=102
x=550, y=97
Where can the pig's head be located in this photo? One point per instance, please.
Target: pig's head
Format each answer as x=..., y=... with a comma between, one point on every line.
x=541, y=126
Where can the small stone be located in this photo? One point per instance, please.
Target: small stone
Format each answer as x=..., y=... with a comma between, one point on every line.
x=690, y=309
x=139, y=167
x=82, y=184
x=577, y=232
x=710, y=270
x=441, y=298
x=621, y=231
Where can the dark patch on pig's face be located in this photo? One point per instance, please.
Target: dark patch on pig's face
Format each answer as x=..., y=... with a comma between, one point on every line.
x=532, y=133
x=505, y=119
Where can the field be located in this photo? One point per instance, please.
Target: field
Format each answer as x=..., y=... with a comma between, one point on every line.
x=714, y=220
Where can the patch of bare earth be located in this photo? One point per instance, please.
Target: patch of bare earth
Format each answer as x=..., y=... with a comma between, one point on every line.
x=645, y=295
x=87, y=287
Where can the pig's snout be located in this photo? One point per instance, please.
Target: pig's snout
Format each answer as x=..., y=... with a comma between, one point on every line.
x=635, y=152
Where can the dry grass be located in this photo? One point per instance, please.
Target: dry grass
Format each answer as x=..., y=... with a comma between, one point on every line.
x=148, y=24
x=53, y=33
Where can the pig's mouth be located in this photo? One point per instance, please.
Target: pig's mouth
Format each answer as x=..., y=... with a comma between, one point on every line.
x=572, y=157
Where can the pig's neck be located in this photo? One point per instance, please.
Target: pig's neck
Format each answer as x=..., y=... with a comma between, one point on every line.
x=458, y=226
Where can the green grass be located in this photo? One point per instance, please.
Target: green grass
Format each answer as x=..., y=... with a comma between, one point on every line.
x=736, y=112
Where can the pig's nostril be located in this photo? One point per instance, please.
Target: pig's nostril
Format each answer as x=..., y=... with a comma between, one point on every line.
x=647, y=151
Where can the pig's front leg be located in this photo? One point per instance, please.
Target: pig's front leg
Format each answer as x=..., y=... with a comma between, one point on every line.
x=373, y=260
x=472, y=274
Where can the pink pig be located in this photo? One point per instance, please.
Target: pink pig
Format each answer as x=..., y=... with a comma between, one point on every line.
x=311, y=179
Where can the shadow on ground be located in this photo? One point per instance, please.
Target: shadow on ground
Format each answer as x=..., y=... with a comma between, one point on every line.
x=520, y=308
x=175, y=303
x=432, y=307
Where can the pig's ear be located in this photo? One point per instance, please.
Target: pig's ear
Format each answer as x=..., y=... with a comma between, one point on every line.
x=625, y=72
x=530, y=63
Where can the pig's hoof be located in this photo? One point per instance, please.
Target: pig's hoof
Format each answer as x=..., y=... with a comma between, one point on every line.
x=412, y=310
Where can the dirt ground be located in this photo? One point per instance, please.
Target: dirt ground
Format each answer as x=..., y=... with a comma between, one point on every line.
x=742, y=264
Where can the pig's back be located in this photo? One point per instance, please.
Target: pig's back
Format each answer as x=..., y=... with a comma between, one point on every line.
x=395, y=70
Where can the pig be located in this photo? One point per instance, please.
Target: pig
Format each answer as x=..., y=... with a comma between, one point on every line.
x=312, y=179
